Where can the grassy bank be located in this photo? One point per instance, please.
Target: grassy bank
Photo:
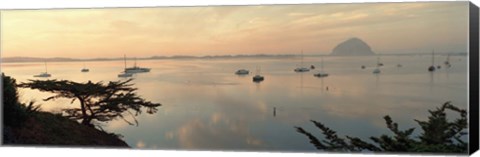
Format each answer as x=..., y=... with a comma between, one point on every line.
x=47, y=129
x=27, y=125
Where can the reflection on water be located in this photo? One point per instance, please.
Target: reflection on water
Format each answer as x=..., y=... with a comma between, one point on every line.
x=432, y=81
x=274, y=111
x=207, y=106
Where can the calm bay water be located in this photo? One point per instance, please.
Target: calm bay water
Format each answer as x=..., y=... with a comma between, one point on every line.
x=206, y=106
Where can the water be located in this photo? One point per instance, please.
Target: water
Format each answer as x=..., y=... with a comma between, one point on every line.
x=205, y=106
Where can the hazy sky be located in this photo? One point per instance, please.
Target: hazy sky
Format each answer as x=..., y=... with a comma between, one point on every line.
x=274, y=29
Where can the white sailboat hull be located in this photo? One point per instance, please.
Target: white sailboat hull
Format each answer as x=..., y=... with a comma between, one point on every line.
x=125, y=75
x=137, y=70
x=242, y=72
x=42, y=75
x=303, y=69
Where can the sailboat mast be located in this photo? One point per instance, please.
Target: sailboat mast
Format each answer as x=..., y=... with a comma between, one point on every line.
x=135, y=63
x=301, y=64
x=378, y=61
x=125, y=61
x=46, y=67
x=321, y=65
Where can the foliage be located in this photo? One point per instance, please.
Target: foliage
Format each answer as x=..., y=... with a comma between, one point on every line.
x=31, y=108
x=438, y=136
x=98, y=101
x=13, y=112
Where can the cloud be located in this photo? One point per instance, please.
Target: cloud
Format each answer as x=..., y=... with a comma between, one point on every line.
x=140, y=144
x=231, y=29
x=198, y=134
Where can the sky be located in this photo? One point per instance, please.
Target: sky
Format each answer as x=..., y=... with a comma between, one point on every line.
x=230, y=30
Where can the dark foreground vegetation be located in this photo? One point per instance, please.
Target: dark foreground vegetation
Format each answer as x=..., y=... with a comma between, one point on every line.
x=26, y=124
x=47, y=129
x=438, y=136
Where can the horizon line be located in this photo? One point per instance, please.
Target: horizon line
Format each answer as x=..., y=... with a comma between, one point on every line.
x=62, y=59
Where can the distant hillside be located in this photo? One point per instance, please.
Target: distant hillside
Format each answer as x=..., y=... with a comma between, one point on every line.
x=34, y=59
x=352, y=47
x=225, y=56
x=343, y=50
x=60, y=59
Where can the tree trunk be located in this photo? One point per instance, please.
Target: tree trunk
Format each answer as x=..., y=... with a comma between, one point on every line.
x=86, y=120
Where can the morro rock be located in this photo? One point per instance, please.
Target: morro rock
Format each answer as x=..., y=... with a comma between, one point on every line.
x=352, y=47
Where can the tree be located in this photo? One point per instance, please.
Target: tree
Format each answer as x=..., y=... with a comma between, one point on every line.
x=438, y=136
x=13, y=115
x=98, y=101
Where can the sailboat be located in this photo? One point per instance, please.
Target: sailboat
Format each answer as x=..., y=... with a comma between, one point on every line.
x=84, y=69
x=377, y=69
x=301, y=68
x=136, y=69
x=242, y=72
x=432, y=67
x=447, y=62
x=125, y=73
x=44, y=74
x=321, y=73
x=258, y=78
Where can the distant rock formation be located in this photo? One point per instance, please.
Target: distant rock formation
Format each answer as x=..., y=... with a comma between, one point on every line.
x=352, y=47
